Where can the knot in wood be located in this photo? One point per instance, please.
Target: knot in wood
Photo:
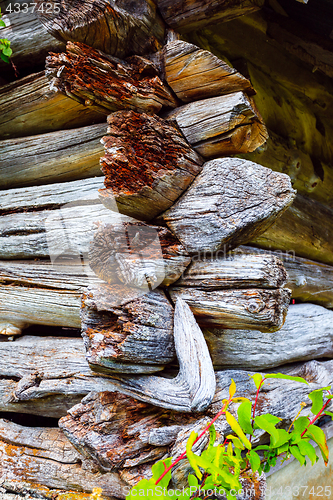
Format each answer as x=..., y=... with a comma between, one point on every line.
x=255, y=306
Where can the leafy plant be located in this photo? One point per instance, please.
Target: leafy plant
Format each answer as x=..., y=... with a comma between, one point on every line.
x=5, y=50
x=220, y=466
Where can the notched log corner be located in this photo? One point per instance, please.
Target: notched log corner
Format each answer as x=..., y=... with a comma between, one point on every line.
x=105, y=83
x=228, y=203
x=147, y=164
x=119, y=28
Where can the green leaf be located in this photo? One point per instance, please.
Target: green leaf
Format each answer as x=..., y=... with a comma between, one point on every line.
x=301, y=424
x=193, y=481
x=284, y=437
x=257, y=378
x=237, y=442
x=7, y=51
x=329, y=413
x=4, y=58
x=317, y=398
x=254, y=460
x=237, y=429
x=263, y=423
x=317, y=434
x=244, y=416
x=212, y=436
x=307, y=449
x=2, y=23
x=283, y=448
x=159, y=468
x=297, y=454
x=286, y=377
x=192, y=458
x=232, y=389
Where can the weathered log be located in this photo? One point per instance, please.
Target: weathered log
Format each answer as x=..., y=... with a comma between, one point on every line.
x=53, y=157
x=147, y=164
x=306, y=334
x=116, y=28
x=229, y=202
x=45, y=458
x=29, y=40
x=221, y=125
x=306, y=229
x=115, y=317
x=137, y=255
x=189, y=15
x=194, y=74
x=106, y=83
x=29, y=107
x=256, y=309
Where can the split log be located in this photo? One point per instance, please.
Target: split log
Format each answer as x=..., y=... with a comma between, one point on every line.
x=306, y=229
x=29, y=107
x=53, y=157
x=229, y=202
x=116, y=28
x=263, y=310
x=194, y=74
x=221, y=125
x=307, y=334
x=130, y=426
x=137, y=255
x=29, y=40
x=45, y=458
x=105, y=83
x=147, y=164
x=189, y=15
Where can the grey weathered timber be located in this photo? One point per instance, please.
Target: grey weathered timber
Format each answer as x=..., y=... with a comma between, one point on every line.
x=116, y=28
x=234, y=270
x=228, y=203
x=54, y=157
x=306, y=334
x=29, y=40
x=147, y=164
x=137, y=255
x=115, y=318
x=106, y=83
x=195, y=74
x=191, y=14
x=29, y=107
x=260, y=309
x=224, y=125
x=305, y=229
x=44, y=457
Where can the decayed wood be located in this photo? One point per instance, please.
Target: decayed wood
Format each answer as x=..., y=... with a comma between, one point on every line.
x=263, y=310
x=309, y=281
x=53, y=157
x=133, y=433
x=147, y=164
x=229, y=202
x=29, y=40
x=106, y=83
x=306, y=229
x=191, y=14
x=45, y=458
x=117, y=28
x=306, y=334
x=137, y=255
x=221, y=125
x=194, y=74
x=29, y=107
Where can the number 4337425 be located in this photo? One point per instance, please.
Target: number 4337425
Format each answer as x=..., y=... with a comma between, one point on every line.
x=45, y=7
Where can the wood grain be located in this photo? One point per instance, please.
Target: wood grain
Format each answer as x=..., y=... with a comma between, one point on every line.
x=106, y=83
x=147, y=164
x=229, y=202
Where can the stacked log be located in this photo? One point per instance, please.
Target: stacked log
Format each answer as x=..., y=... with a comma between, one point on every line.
x=148, y=263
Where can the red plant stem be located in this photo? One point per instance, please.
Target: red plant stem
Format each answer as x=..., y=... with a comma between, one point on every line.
x=316, y=417
x=183, y=455
x=255, y=405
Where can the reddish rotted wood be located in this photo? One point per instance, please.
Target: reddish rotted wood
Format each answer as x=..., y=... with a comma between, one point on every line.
x=106, y=83
x=147, y=164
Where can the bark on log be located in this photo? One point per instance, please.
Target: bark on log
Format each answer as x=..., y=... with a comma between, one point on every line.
x=29, y=40
x=53, y=157
x=147, y=164
x=194, y=74
x=263, y=310
x=45, y=458
x=222, y=125
x=306, y=229
x=137, y=255
x=307, y=334
x=105, y=83
x=189, y=15
x=117, y=28
x=29, y=107
x=229, y=202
